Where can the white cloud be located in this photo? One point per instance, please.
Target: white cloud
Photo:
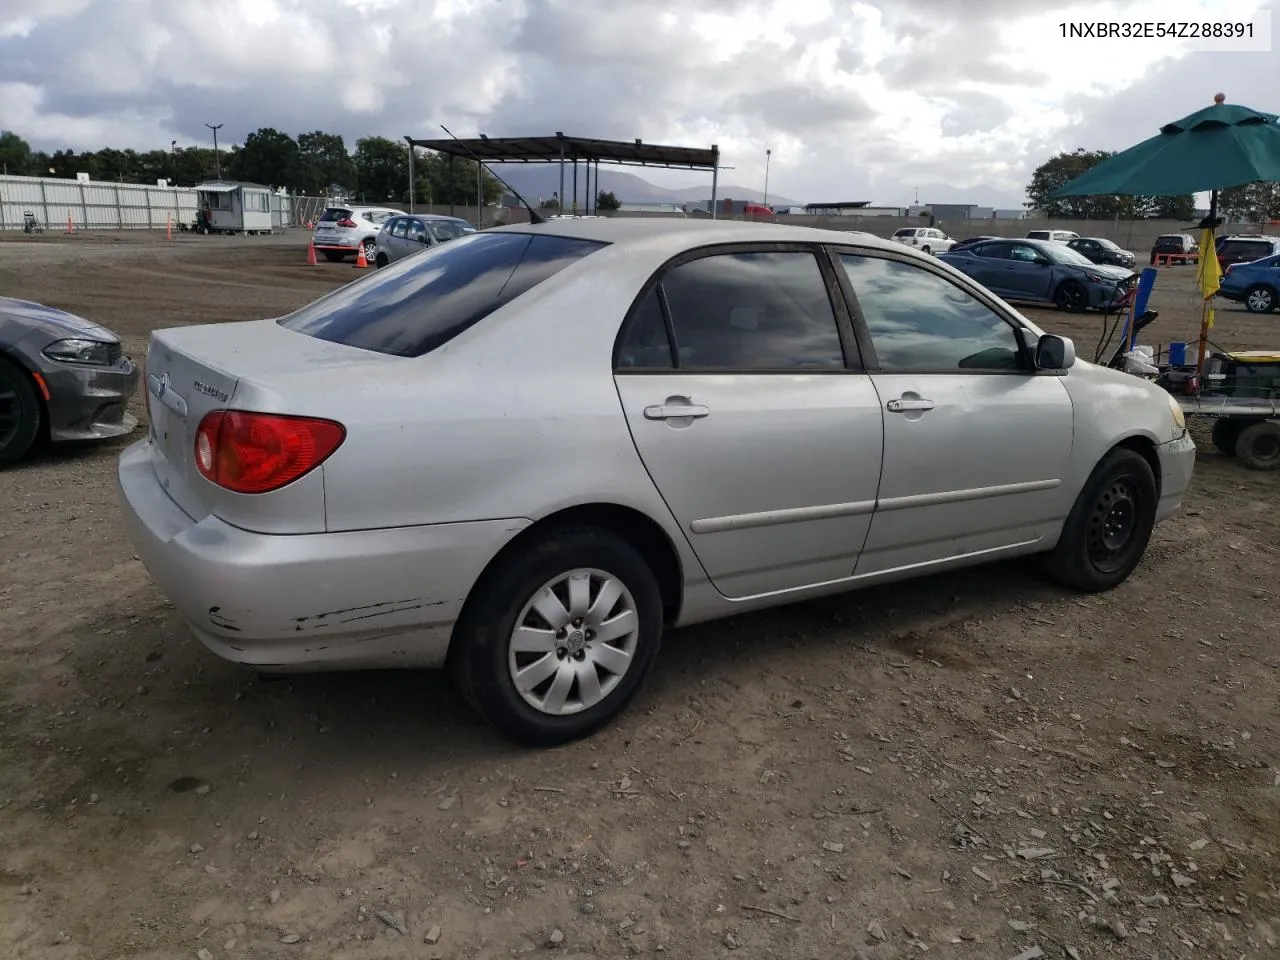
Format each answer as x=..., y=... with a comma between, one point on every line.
x=857, y=100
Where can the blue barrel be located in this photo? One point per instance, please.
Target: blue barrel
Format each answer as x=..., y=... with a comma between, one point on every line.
x=1178, y=354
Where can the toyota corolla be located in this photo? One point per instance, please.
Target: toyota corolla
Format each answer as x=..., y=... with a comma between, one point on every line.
x=524, y=454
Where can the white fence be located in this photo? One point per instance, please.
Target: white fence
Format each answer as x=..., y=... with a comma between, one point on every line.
x=102, y=205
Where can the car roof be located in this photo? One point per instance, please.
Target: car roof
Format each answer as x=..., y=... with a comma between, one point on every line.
x=424, y=216
x=681, y=233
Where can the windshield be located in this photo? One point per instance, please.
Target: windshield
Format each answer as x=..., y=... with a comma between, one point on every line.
x=1061, y=253
x=1104, y=242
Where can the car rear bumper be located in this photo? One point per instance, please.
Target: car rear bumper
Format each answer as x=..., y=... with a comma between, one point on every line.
x=90, y=403
x=330, y=601
x=1177, y=463
x=336, y=247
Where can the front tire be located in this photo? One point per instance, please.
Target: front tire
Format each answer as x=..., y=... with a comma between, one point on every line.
x=1109, y=526
x=1258, y=446
x=1226, y=431
x=20, y=414
x=1072, y=297
x=557, y=638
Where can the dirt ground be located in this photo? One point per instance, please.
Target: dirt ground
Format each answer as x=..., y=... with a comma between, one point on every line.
x=975, y=765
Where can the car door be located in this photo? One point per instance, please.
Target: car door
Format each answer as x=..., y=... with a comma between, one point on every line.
x=417, y=237
x=394, y=235
x=1028, y=275
x=989, y=268
x=976, y=443
x=744, y=392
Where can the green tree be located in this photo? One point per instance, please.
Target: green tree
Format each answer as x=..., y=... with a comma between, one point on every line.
x=16, y=158
x=455, y=181
x=1251, y=202
x=1065, y=167
x=606, y=200
x=381, y=170
x=324, y=163
x=268, y=157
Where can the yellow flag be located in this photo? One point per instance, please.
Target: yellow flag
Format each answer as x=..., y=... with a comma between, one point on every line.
x=1209, y=271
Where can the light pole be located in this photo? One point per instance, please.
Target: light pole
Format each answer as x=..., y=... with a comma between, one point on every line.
x=217, y=162
x=767, y=155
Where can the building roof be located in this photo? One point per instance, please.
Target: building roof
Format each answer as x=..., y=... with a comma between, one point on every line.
x=227, y=186
x=552, y=149
x=839, y=205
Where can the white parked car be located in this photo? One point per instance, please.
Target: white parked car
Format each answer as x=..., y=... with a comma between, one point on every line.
x=342, y=231
x=526, y=453
x=1057, y=236
x=924, y=239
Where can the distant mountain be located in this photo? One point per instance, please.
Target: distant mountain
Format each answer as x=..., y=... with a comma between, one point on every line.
x=538, y=181
x=981, y=195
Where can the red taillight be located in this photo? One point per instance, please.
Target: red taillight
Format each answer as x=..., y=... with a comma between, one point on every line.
x=259, y=452
x=346, y=222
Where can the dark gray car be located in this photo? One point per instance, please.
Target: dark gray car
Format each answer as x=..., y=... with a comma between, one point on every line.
x=62, y=378
x=1042, y=271
x=412, y=233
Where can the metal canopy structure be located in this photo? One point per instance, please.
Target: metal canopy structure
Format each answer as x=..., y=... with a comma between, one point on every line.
x=564, y=150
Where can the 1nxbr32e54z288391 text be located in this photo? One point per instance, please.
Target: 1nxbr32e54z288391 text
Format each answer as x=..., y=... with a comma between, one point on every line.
x=1248, y=35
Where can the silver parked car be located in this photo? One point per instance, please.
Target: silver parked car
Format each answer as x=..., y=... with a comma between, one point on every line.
x=400, y=236
x=526, y=452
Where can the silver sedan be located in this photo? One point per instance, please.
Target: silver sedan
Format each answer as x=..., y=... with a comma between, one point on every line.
x=526, y=453
x=413, y=233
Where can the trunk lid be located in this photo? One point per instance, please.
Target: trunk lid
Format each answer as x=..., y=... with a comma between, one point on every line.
x=194, y=370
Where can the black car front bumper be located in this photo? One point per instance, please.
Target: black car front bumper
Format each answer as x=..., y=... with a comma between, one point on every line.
x=90, y=402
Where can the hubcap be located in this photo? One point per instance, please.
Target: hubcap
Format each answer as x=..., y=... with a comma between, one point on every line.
x=573, y=642
x=1112, y=524
x=1260, y=301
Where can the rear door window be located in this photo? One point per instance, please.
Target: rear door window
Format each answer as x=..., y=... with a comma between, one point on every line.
x=752, y=311
x=419, y=303
x=398, y=228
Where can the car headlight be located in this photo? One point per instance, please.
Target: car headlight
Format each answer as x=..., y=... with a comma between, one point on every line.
x=1179, y=419
x=80, y=351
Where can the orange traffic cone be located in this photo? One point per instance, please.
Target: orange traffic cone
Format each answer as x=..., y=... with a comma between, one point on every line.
x=361, y=261
x=311, y=253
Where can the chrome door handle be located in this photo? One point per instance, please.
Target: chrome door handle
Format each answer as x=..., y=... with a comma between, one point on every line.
x=902, y=406
x=675, y=411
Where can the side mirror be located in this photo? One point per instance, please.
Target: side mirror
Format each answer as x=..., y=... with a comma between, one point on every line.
x=1054, y=353
x=1042, y=261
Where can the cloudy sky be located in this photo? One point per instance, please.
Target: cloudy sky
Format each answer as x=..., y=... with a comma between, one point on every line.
x=857, y=100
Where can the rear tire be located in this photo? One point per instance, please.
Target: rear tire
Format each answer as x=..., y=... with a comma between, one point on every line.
x=1260, y=299
x=20, y=413
x=381, y=260
x=1109, y=526
x=1226, y=431
x=333, y=256
x=485, y=654
x=1258, y=446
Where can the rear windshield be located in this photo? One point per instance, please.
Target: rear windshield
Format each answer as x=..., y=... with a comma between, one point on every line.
x=414, y=306
x=1038, y=235
x=905, y=233
x=334, y=214
x=1245, y=248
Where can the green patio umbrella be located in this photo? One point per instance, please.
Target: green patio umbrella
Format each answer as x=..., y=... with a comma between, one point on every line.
x=1225, y=145
x=1221, y=146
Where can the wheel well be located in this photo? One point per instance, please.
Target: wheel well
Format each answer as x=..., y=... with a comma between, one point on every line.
x=642, y=533
x=1146, y=449
x=35, y=387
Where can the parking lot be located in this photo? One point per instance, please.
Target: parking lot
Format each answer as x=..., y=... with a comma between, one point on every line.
x=976, y=764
